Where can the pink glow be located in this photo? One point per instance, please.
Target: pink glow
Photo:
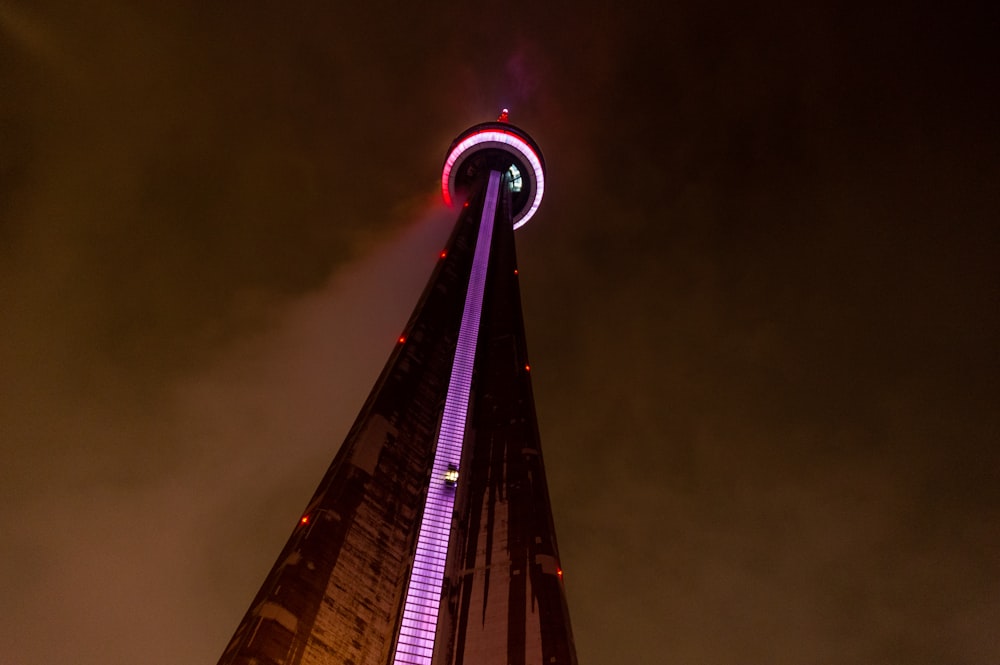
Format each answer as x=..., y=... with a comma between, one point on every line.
x=505, y=140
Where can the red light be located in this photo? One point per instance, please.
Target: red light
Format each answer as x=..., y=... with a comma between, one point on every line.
x=515, y=271
x=304, y=520
x=443, y=254
x=401, y=339
x=465, y=205
x=559, y=572
x=527, y=368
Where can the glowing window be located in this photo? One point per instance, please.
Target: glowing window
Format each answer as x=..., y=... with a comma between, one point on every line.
x=515, y=178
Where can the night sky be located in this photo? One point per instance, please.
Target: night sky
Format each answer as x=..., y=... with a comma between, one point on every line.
x=762, y=298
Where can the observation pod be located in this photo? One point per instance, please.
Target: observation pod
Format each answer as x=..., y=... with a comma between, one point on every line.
x=497, y=146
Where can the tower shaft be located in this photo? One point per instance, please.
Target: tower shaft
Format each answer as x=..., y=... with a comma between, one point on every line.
x=429, y=540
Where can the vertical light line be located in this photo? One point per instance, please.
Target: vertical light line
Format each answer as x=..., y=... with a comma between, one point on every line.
x=415, y=645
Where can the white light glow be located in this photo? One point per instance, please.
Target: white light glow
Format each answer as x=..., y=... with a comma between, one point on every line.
x=515, y=179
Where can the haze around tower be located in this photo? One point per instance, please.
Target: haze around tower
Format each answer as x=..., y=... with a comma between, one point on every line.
x=760, y=296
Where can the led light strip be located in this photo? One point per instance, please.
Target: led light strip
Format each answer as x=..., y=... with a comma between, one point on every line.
x=505, y=141
x=415, y=645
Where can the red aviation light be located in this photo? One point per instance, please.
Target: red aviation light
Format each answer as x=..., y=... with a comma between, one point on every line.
x=559, y=572
x=401, y=339
x=515, y=271
x=304, y=520
x=504, y=116
x=443, y=253
x=527, y=367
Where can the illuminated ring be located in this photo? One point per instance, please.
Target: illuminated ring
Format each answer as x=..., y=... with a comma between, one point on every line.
x=501, y=139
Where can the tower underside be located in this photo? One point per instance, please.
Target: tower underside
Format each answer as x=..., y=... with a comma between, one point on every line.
x=409, y=551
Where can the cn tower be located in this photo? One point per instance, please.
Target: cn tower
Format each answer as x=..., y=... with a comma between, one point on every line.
x=430, y=538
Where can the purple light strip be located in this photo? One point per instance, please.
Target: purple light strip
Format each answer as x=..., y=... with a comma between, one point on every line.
x=417, y=631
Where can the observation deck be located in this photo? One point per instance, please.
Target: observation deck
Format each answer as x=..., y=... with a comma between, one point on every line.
x=496, y=146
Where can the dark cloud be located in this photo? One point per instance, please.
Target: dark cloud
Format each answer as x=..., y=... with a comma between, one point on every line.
x=760, y=297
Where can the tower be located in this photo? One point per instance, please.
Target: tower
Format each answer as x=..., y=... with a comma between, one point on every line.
x=429, y=540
